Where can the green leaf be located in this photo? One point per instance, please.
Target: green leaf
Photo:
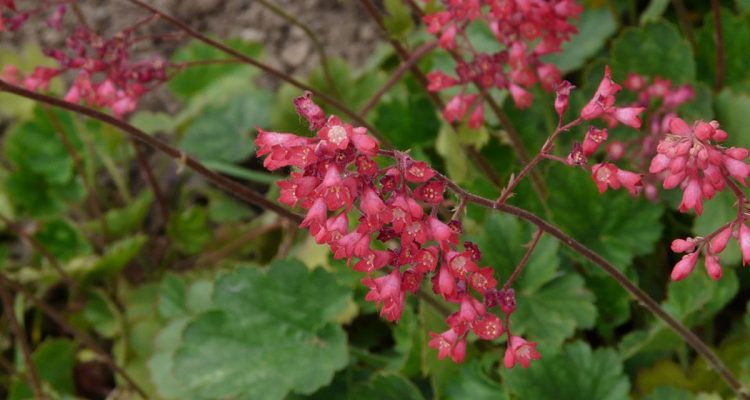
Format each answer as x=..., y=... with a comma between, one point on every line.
x=34, y=195
x=101, y=313
x=42, y=178
x=482, y=38
x=153, y=122
x=36, y=146
x=54, y=360
x=613, y=224
x=222, y=132
x=449, y=146
x=669, y=393
x=387, y=386
x=697, y=298
x=550, y=306
x=575, y=373
x=178, y=303
x=420, y=128
x=595, y=27
x=398, y=22
x=354, y=89
x=472, y=382
x=654, y=11
x=196, y=78
x=693, y=301
x=732, y=111
x=268, y=333
x=408, y=340
x=172, y=298
x=720, y=210
x=743, y=6
x=655, y=49
x=189, y=229
x=117, y=256
x=736, y=63
x=126, y=220
x=62, y=240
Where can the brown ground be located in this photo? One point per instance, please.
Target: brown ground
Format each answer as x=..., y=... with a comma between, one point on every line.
x=342, y=25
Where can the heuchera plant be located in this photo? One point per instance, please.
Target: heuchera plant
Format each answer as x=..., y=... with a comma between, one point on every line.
x=391, y=216
x=526, y=30
x=398, y=238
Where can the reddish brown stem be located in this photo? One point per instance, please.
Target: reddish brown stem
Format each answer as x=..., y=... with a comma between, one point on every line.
x=521, y=264
x=514, y=138
x=482, y=163
x=248, y=195
x=236, y=188
x=91, y=197
x=40, y=248
x=20, y=334
x=267, y=69
x=396, y=77
x=543, y=152
x=148, y=173
x=642, y=297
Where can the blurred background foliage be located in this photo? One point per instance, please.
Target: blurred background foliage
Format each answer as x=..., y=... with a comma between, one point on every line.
x=225, y=300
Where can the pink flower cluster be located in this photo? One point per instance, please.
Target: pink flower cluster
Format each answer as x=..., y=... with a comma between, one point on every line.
x=10, y=18
x=601, y=105
x=392, y=239
x=526, y=30
x=690, y=158
x=105, y=76
x=660, y=98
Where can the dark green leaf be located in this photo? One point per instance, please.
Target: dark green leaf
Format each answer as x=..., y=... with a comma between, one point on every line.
x=550, y=305
x=736, y=63
x=222, y=132
x=398, y=22
x=655, y=49
x=595, y=26
x=54, y=360
x=269, y=333
x=408, y=123
x=575, y=373
x=387, y=386
x=62, y=239
x=613, y=224
x=189, y=229
x=196, y=78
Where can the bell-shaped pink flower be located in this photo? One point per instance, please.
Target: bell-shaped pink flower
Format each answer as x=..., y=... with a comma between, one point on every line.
x=520, y=351
x=685, y=266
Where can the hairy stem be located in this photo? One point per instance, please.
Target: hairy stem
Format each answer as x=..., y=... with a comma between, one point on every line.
x=265, y=68
x=521, y=264
x=248, y=195
x=542, y=154
x=642, y=297
x=482, y=163
x=513, y=137
x=237, y=189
